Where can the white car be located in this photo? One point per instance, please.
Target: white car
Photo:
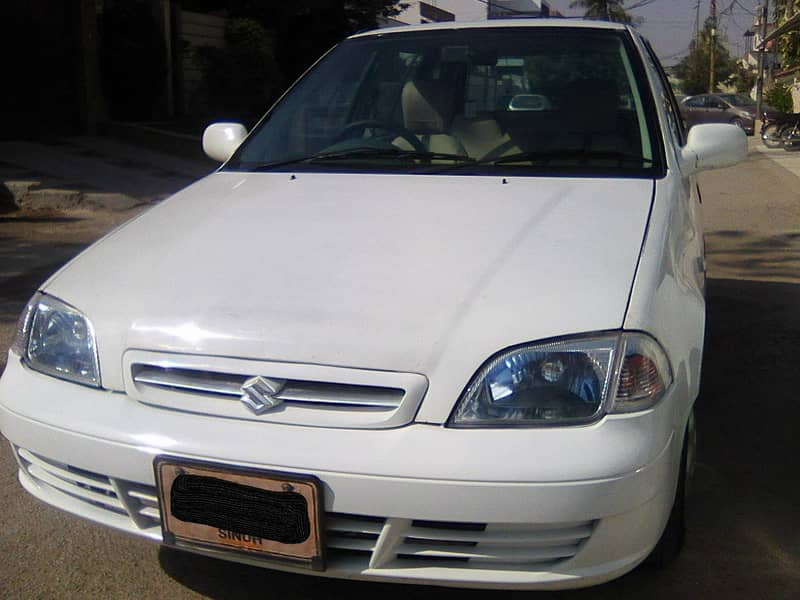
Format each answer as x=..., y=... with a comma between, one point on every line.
x=405, y=332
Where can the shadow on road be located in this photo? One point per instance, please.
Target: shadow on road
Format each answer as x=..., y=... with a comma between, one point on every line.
x=750, y=255
x=24, y=265
x=7, y=204
x=743, y=540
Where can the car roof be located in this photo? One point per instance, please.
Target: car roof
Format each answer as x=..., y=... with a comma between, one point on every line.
x=496, y=23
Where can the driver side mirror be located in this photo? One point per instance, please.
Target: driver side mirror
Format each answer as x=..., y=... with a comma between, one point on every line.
x=713, y=146
x=220, y=140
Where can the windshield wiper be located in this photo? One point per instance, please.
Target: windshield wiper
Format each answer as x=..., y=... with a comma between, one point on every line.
x=548, y=156
x=364, y=152
x=388, y=152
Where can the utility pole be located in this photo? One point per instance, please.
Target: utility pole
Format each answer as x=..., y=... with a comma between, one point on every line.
x=695, y=43
x=761, y=50
x=713, y=49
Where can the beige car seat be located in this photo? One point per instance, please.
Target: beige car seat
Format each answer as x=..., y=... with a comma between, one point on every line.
x=428, y=113
x=483, y=137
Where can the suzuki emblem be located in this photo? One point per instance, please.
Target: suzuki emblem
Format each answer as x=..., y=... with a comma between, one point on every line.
x=259, y=394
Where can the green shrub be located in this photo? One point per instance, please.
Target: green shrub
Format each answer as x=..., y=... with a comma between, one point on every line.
x=780, y=97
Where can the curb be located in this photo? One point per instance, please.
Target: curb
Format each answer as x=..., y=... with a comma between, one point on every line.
x=25, y=195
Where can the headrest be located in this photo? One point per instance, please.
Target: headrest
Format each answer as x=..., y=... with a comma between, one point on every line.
x=427, y=106
x=592, y=105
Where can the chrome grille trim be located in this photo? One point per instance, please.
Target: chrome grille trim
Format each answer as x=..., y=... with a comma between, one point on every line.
x=308, y=394
x=225, y=384
x=196, y=381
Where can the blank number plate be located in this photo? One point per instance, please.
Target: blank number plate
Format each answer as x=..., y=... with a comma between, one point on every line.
x=272, y=515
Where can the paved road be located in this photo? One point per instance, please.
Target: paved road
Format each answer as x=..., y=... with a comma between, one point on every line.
x=744, y=541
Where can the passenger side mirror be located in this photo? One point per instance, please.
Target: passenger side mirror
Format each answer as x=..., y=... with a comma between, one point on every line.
x=220, y=140
x=713, y=146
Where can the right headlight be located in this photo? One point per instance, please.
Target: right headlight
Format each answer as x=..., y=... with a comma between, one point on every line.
x=57, y=339
x=565, y=382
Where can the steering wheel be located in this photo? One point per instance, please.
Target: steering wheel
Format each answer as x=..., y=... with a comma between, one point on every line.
x=351, y=129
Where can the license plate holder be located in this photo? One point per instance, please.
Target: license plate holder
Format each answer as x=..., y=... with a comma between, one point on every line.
x=274, y=516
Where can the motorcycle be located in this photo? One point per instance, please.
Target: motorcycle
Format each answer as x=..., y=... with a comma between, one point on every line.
x=782, y=131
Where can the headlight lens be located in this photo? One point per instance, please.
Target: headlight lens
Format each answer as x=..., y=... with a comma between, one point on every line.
x=58, y=340
x=565, y=382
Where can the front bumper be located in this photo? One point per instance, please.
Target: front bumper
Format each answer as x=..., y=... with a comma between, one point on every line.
x=541, y=509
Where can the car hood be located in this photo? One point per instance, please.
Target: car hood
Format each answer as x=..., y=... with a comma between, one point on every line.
x=425, y=274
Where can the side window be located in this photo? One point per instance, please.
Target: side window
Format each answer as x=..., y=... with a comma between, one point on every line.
x=696, y=102
x=676, y=122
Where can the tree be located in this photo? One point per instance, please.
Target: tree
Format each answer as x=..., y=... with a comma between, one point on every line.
x=788, y=45
x=132, y=60
x=242, y=79
x=694, y=69
x=610, y=10
x=270, y=44
x=305, y=29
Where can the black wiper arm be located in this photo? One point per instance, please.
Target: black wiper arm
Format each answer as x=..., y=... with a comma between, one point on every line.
x=388, y=152
x=549, y=156
x=362, y=152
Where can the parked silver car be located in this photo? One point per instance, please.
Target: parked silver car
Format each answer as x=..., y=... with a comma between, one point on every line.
x=737, y=109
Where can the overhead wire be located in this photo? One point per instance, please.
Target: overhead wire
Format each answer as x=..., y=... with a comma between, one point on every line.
x=676, y=54
x=745, y=9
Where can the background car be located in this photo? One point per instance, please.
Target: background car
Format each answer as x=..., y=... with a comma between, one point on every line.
x=736, y=109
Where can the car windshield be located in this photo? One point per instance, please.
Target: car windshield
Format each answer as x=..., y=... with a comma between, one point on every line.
x=738, y=99
x=527, y=100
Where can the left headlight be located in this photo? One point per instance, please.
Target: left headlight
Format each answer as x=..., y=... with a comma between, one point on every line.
x=566, y=382
x=57, y=339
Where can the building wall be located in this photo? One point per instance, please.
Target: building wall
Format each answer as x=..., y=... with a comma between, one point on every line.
x=518, y=8
x=473, y=10
x=197, y=30
x=462, y=10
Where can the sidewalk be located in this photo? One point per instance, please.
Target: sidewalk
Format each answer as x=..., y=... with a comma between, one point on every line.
x=90, y=172
x=788, y=160
x=752, y=217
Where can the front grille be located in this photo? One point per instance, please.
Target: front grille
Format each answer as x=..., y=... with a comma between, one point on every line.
x=311, y=395
x=494, y=545
x=359, y=542
x=91, y=488
x=295, y=392
x=116, y=502
x=403, y=543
